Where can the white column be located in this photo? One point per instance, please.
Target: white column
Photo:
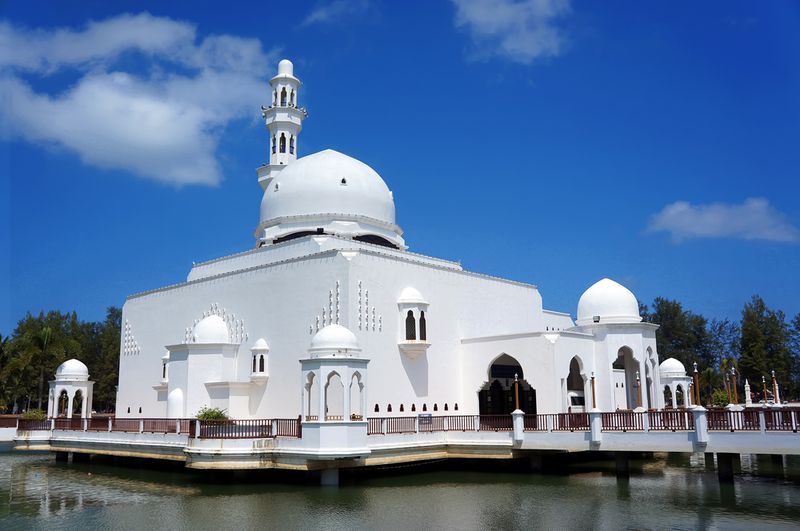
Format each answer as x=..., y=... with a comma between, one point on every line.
x=323, y=390
x=70, y=396
x=643, y=385
x=85, y=403
x=50, y=404
x=346, y=397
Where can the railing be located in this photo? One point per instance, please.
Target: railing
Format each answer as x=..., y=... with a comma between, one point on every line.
x=312, y=418
x=288, y=428
x=432, y=424
x=334, y=417
x=781, y=420
x=8, y=422
x=622, y=421
x=98, y=424
x=374, y=426
x=33, y=425
x=495, y=423
x=401, y=425
x=723, y=420
x=235, y=429
x=461, y=423
x=158, y=425
x=68, y=424
x=670, y=420
x=535, y=423
x=571, y=422
x=125, y=425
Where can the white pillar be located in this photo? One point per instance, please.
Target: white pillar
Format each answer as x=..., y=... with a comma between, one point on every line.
x=70, y=396
x=323, y=391
x=643, y=386
x=346, y=398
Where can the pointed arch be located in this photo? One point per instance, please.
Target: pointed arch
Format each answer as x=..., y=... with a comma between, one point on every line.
x=291, y=145
x=411, y=326
x=356, y=397
x=282, y=148
x=283, y=97
x=423, y=327
x=261, y=363
x=334, y=397
x=312, y=397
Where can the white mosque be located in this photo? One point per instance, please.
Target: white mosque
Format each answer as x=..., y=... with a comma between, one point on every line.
x=331, y=317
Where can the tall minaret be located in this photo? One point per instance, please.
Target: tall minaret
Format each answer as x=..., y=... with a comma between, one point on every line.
x=284, y=119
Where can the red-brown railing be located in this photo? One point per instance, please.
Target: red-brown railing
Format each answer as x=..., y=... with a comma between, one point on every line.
x=98, y=424
x=159, y=426
x=622, y=421
x=68, y=424
x=8, y=422
x=33, y=425
x=125, y=425
x=570, y=422
x=781, y=420
x=723, y=420
x=374, y=426
x=235, y=429
x=461, y=423
x=535, y=423
x=288, y=428
x=401, y=425
x=495, y=423
x=427, y=424
x=670, y=420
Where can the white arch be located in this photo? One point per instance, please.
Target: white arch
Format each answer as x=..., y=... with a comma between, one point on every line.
x=334, y=396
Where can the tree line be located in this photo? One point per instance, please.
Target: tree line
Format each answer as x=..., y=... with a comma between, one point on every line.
x=40, y=343
x=763, y=340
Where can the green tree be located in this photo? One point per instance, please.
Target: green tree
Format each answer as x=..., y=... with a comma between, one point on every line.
x=682, y=334
x=765, y=345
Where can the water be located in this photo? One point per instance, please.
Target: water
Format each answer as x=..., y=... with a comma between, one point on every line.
x=668, y=492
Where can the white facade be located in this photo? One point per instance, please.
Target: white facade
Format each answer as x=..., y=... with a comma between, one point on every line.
x=243, y=332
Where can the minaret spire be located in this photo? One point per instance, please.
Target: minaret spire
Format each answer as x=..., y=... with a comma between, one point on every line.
x=284, y=120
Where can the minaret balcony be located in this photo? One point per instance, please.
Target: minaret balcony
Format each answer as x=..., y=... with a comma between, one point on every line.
x=414, y=348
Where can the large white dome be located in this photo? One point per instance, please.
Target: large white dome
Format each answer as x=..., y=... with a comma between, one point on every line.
x=72, y=370
x=609, y=301
x=672, y=367
x=330, y=191
x=211, y=329
x=334, y=337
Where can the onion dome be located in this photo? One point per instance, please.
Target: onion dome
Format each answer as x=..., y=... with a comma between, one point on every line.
x=607, y=302
x=334, y=337
x=671, y=367
x=211, y=329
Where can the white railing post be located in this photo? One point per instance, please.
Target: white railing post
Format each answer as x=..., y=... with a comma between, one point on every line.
x=52, y=424
x=141, y=425
x=518, y=421
x=477, y=423
x=110, y=423
x=383, y=425
x=793, y=416
x=178, y=426
x=762, y=425
x=596, y=426
x=197, y=428
x=701, y=424
x=446, y=424
x=85, y=424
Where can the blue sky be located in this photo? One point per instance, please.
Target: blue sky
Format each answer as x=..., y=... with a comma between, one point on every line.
x=550, y=142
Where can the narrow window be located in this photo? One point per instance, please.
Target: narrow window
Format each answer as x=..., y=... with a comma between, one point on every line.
x=274, y=144
x=377, y=408
x=291, y=144
x=411, y=326
x=344, y=181
x=261, y=363
x=274, y=97
x=424, y=407
x=291, y=99
x=423, y=332
x=389, y=408
x=283, y=143
x=129, y=409
x=140, y=409
x=164, y=371
x=435, y=407
x=456, y=406
x=283, y=97
x=413, y=407
x=254, y=364
x=445, y=406
x=402, y=408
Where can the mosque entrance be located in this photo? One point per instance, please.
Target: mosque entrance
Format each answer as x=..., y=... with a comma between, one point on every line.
x=497, y=397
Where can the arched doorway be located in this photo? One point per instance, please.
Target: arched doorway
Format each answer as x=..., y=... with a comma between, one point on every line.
x=624, y=372
x=77, y=404
x=497, y=396
x=575, y=387
x=63, y=404
x=668, y=397
x=334, y=397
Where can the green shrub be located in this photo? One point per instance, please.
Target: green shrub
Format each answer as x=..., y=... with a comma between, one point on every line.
x=212, y=413
x=719, y=397
x=35, y=414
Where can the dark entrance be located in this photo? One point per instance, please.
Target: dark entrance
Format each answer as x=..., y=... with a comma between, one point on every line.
x=497, y=395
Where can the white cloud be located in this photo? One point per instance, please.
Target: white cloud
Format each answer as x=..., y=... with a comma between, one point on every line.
x=755, y=219
x=156, y=124
x=335, y=11
x=519, y=30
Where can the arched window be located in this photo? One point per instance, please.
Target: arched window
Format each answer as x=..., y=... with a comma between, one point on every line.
x=411, y=326
x=129, y=409
x=413, y=407
x=274, y=144
x=389, y=408
x=377, y=408
x=283, y=143
x=435, y=407
x=261, y=363
x=445, y=406
x=402, y=408
x=291, y=144
x=164, y=371
x=140, y=409
x=274, y=97
x=423, y=332
x=424, y=407
x=254, y=364
x=291, y=98
x=283, y=97
x=455, y=406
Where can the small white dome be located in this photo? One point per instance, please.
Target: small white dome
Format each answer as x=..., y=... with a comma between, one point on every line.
x=671, y=367
x=261, y=344
x=610, y=301
x=72, y=370
x=411, y=296
x=334, y=337
x=285, y=67
x=211, y=329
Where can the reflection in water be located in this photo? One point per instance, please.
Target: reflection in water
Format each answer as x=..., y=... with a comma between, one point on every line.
x=664, y=492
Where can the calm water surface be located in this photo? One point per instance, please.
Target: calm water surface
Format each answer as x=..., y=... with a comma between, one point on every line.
x=668, y=492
